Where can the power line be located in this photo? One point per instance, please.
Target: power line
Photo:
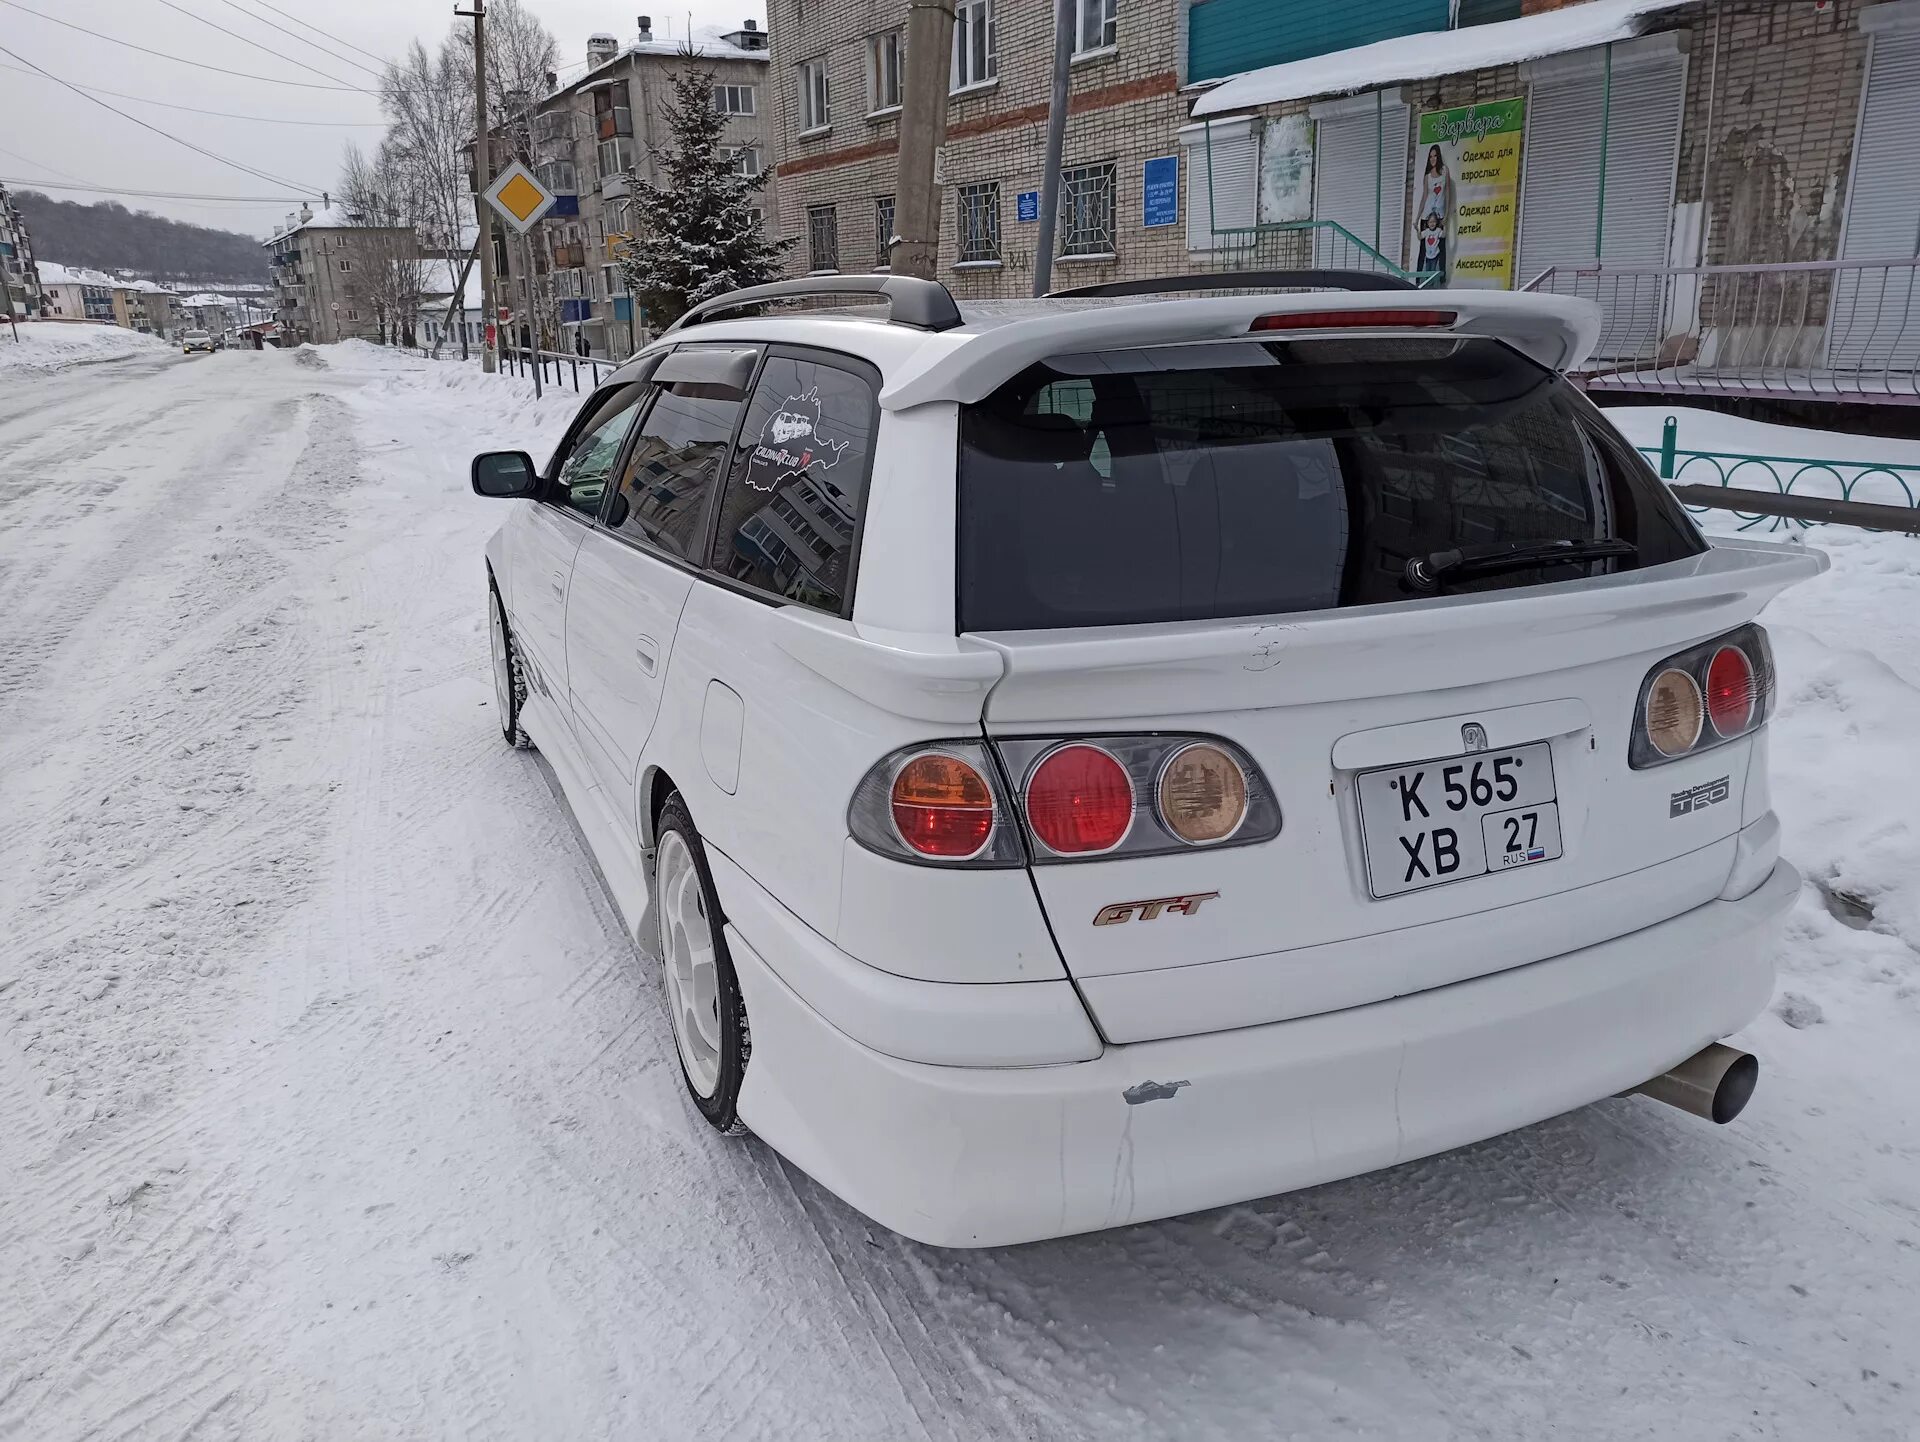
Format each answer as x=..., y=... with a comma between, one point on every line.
x=224, y=114
x=198, y=149
x=263, y=49
x=311, y=44
x=153, y=194
x=39, y=165
x=317, y=30
x=180, y=60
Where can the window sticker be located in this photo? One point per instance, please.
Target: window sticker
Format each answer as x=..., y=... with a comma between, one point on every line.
x=790, y=444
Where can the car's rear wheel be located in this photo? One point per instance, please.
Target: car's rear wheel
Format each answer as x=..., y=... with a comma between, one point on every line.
x=509, y=679
x=702, y=993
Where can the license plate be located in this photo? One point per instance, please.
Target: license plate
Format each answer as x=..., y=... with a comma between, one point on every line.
x=1463, y=816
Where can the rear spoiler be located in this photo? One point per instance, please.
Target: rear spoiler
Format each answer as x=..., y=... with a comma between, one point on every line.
x=1556, y=331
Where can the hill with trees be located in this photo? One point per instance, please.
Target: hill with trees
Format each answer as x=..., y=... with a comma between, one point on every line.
x=108, y=236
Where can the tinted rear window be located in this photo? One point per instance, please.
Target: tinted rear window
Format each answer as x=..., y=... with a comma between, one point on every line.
x=1192, y=482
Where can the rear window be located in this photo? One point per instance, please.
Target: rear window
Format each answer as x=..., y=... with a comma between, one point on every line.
x=1192, y=482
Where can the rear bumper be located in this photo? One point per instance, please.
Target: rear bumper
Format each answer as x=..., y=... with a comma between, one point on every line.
x=982, y=1156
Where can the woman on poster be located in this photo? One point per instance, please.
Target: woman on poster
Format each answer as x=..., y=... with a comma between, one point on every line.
x=1430, y=227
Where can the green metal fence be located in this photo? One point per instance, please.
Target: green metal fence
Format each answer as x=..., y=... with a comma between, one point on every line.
x=1789, y=475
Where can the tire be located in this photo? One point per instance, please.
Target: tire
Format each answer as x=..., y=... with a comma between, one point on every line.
x=509, y=677
x=696, y=971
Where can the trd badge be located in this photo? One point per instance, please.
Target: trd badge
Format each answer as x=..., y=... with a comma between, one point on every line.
x=1699, y=798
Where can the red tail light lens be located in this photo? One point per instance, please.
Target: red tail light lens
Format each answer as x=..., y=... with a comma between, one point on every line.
x=1352, y=319
x=1080, y=800
x=942, y=806
x=1730, y=691
x=1703, y=697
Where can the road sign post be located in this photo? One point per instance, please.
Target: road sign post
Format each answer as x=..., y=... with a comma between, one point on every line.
x=522, y=201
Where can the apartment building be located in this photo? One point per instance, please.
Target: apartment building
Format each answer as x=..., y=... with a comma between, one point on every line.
x=583, y=137
x=325, y=266
x=145, y=306
x=17, y=266
x=76, y=293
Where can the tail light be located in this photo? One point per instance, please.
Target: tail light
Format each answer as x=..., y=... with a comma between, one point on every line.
x=1082, y=798
x=1703, y=697
x=1353, y=319
x=940, y=802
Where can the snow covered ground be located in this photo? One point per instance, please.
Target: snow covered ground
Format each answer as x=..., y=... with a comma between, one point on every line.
x=57, y=345
x=337, y=1105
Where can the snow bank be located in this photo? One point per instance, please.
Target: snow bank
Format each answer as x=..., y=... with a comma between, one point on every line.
x=1434, y=52
x=55, y=345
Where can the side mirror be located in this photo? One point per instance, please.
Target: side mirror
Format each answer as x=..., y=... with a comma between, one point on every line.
x=505, y=475
x=617, y=511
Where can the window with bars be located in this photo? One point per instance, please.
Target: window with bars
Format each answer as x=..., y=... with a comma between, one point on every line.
x=883, y=71
x=979, y=215
x=883, y=232
x=816, y=110
x=733, y=99
x=823, y=238
x=1086, y=210
x=1095, y=25
x=976, y=58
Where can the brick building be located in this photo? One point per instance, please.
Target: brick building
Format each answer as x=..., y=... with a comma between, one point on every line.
x=1611, y=145
x=582, y=139
x=324, y=265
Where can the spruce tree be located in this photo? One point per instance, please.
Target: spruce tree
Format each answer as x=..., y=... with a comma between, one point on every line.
x=695, y=237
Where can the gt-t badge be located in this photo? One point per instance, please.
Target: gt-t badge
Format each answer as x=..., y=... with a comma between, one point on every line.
x=1147, y=910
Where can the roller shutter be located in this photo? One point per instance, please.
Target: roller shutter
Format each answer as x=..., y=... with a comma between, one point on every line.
x=1875, y=319
x=1360, y=179
x=1222, y=163
x=1560, y=192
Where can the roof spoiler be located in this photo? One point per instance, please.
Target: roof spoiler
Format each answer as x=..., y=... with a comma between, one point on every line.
x=1240, y=280
x=923, y=304
x=1554, y=331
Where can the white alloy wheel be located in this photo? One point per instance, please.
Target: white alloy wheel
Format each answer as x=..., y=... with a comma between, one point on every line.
x=689, y=963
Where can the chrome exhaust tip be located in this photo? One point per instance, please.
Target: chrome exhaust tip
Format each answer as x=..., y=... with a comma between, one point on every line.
x=1716, y=1082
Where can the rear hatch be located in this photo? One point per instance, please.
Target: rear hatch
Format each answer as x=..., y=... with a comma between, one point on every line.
x=1215, y=541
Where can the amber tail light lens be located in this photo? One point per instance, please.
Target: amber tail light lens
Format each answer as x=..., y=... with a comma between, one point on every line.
x=942, y=806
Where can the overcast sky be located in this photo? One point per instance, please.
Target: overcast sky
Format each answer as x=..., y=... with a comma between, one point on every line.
x=50, y=134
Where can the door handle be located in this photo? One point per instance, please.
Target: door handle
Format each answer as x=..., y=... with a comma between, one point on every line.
x=648, y=650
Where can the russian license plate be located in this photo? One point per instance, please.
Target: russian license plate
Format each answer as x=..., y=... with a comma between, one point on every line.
x=1440, y=821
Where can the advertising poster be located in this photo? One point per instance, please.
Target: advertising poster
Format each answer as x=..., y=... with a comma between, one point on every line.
x=1466, y=194
x=1286, y=170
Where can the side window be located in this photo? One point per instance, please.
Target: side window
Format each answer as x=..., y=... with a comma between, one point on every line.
x=798, y=483
x=580, y=478
x=675, y=462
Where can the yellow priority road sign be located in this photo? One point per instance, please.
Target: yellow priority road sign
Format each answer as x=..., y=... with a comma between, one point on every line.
x=520, y=198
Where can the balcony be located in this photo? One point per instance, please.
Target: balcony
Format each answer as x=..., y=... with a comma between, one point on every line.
x=569, y=257
x=1807, y=330
x=614, y=186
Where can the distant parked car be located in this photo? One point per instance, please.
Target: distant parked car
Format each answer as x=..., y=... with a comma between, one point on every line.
x=195, y=340
x=1081, y=762
x=221, y=341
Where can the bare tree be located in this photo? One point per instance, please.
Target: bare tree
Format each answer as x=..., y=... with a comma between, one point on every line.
x=521, y=53
x=387, y=193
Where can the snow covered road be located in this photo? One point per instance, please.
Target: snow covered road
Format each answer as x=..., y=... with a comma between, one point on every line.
x=336, y=1104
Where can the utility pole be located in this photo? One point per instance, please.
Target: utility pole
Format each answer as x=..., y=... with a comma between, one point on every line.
x=923, y=130
x=1063, y=18
x=482, y=176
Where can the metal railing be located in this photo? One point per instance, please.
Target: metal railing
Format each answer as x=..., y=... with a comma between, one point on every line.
x=536, y=364
x=1801, y=330
x=1803, y=478
x=1301, y=245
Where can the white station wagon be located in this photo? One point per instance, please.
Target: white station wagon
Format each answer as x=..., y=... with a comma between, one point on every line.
x=1094, y=759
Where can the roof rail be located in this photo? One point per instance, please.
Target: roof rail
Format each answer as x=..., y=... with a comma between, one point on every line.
x=910, y=300
x=1242, y=280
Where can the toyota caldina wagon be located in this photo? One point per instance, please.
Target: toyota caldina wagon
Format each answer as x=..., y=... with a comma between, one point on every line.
x=1092, y=759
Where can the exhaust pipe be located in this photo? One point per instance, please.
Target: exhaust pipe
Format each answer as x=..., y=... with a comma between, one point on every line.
x=1716, y=1082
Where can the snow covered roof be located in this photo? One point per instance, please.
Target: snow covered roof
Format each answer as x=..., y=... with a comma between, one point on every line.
x=328, y=217
x=708, y=44
x=1435, y=52
x=54, y=273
